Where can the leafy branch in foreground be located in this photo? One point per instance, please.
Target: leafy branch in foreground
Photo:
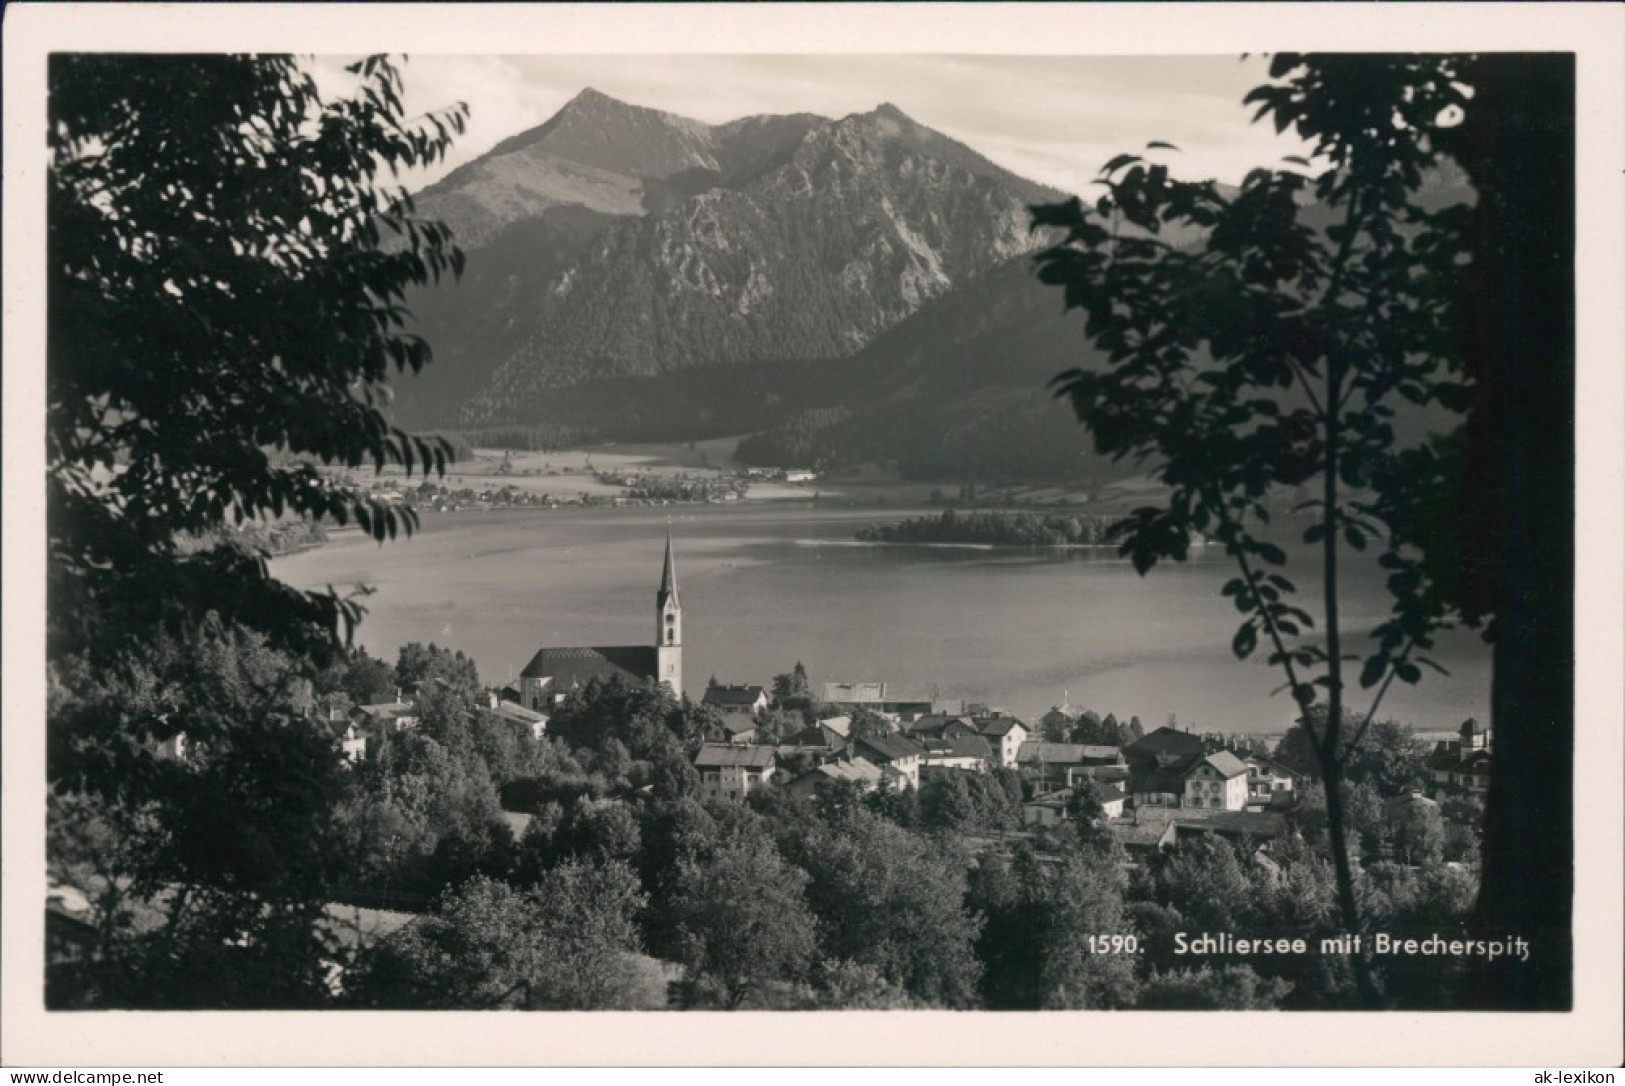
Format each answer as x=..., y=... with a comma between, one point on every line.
x=1290, y=350
x=227, y=272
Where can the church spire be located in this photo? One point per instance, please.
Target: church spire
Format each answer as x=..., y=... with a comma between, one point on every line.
x=668, y=577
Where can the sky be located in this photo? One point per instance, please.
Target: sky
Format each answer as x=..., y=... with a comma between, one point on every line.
x=1053, y=119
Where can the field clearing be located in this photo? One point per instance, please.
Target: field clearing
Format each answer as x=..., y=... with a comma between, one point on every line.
x=569, y=474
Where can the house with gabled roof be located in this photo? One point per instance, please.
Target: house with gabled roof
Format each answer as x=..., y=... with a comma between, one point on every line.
x=741, y=699
x=970, y=752
x=393, y=716
x=858, y=771
x=1217, y=781
x=1052, y=808
x=901, y=756
x=1005, y=734
x=519, y=716
x=739, y=729
x=1268, y=779
x=1158, y=763
x=731, y=771
x=818, y=739
x=938, y=726
x=1060, y=764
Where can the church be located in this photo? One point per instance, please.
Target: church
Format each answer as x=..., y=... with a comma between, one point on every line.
x=553, y=674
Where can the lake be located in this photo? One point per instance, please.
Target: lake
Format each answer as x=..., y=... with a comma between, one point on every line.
x=764, y=586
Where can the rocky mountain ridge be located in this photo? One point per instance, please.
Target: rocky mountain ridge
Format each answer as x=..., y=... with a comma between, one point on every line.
x=616, y=240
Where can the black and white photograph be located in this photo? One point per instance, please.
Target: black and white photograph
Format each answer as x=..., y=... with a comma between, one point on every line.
x=721, y=524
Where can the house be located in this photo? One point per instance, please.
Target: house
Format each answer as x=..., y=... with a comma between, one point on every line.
x=1267, y=779
x=351, y=740
x=1188, y=823
x=970, y=752
x=818, y=740
x=859, y=771
x=1461, y=764
x=840, y=724
x=1142, y=840
x=554, y=673
x=1061, y=763
x=1047, y=810
x=739, y=729
x=1157, y=765
x=1052, y=809
x=393, y=716
x=1236, y=826
x=1005, y=734
x=736, y=700
x=172, y=749
x=1473, y=774
x=888, y=699
x=730, y=771
x=1112, y=800
x=938, y=726
x=901, y=756
x=1217, y=781
x=529, y=719
x=1167, y=747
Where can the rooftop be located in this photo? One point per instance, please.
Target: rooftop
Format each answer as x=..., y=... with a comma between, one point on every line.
x=577, y=666
x=716, y=755
x=744, y=695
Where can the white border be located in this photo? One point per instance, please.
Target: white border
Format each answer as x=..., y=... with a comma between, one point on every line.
x=1591, y=1035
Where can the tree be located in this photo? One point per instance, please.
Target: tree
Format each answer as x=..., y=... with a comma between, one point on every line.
x=1204, y=880
x=887, y=898
x=367, y=680
x=643, y=718
x=1390, y=759
x=1512, y=525
x=226, y=271
x=1418, y=837
x=742, y=918
x=790, y=689
x=564, y=945
x=1037, y=944
x=945, y=803
x=1272, y=360
x=419, y=669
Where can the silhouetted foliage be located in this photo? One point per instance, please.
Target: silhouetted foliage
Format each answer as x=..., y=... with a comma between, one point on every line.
x=1282, y=354
x=226, y=267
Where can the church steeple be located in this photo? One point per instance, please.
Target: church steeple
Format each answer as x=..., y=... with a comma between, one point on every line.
x=669, y=624
x=668, y=577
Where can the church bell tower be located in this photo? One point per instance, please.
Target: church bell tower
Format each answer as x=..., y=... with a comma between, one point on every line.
x=669, y=625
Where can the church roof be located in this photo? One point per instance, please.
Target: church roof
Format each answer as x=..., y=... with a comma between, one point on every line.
x=569, y=667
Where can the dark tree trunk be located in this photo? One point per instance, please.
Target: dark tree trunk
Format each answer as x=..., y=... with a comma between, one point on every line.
x=1517, y=145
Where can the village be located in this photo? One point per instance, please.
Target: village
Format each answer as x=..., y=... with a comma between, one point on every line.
x=1151, y=790
x=589, y=764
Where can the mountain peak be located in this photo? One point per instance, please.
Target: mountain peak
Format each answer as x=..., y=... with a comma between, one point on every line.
x=891, y=112
x=590, y=96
